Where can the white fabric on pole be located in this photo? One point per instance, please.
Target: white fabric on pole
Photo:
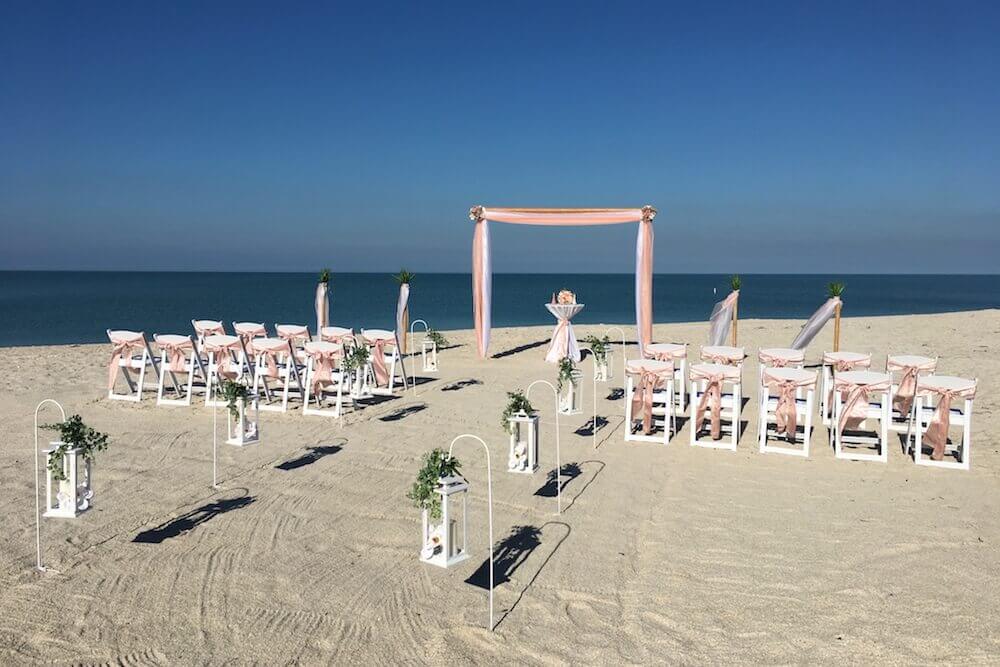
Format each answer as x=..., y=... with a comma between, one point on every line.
x=815, y=323
x=322, y=307
x=404, y=297
x=487, y=285
x=638, y=288
x=721, y=321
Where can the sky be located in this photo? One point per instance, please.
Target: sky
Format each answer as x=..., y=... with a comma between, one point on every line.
x=798, y=137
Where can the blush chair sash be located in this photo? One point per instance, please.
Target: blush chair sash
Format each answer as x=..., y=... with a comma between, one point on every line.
x=177, y=348
x=714, y=375
x=937, y=431
x=648, y=380
x=122, y=344
x=856, y=399
x=786, y=412
x=912, y=368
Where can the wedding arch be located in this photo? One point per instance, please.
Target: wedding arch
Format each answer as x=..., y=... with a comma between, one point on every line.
x=482, y=271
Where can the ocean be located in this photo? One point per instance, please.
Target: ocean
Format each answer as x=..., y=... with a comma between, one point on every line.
x=38, y=308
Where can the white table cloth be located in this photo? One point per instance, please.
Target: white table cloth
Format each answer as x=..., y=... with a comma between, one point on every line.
x=563, y=340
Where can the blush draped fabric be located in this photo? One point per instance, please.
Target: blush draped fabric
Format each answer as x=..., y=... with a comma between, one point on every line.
x=482, y=272
x=786, y=411
x=122, y=344
x=721, y=319
x=815, y=323
x=912, y=368
x=714, y=376
x=937, y=430
x=857, y=395
x=648, y=380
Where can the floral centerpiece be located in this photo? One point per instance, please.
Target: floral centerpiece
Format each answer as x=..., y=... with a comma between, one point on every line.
x=564, y=297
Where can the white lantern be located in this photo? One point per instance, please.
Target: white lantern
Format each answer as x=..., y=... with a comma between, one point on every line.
x=443, y=544
x=523, y=455
x=569, y=396
x=70, y=496
x=429, y=356
x=243, y=427
x=602, y=369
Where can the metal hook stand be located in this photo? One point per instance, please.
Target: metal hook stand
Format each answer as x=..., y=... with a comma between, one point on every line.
x=413, y=384
x=489, y=496
x=555, y=395
x=38, y=508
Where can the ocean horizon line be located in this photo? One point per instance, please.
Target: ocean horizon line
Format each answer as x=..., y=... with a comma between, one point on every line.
x=499, y=273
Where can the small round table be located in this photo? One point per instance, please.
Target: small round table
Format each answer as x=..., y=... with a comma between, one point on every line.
x=563, y=341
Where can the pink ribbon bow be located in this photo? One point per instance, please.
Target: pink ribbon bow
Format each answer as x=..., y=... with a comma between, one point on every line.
x=642, y=396
x=177, y=353
x=378, y=362
x=712, y=398
x=323, y=367
x=855, y=408
x=937, y=431
x=121, y=347
x=223, y=360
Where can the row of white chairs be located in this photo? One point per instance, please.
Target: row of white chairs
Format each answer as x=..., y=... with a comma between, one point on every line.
x=288, y=366
x=908, y=398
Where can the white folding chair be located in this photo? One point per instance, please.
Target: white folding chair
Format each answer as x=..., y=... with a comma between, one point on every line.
x=225, y=361
x=723, y=355
x=855, y=394
x=936, y=413
x=709, y=383
x=178, y=354
x=785, y=408
x=298, y=335
x=384, y=342
x=325, y=379
x=130, y=353
x=663, y=412
x=906, y=370
x=275, y=361
x=834, y=362
x=203, y=328
x=247, y=332
x=676, y=353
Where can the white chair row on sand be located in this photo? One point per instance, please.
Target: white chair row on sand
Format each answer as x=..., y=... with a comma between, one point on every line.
x=288, y=366
x=908, y=399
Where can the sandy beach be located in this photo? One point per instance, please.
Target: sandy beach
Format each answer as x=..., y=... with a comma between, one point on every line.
x=309, y=552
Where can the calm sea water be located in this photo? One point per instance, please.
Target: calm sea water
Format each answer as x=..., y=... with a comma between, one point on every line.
x=76, y=307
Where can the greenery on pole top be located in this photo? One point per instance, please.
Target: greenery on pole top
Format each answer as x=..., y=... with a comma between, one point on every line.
x=404, y=277
x=599, y=346
x=74, y=434
x=735, y=282
x=324, y=276
x=436, y=464
x=516, y=402
x=234, y=391
x=566, y=368
x=835, y=290
x=437, y=338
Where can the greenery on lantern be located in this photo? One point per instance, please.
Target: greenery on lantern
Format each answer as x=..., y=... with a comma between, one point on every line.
x=566, y=368
x=437, y=338
x=835, y=290
x=404, y=277
x=74, y=434
x=516, y=402
x=356, y=358
x=735, y=282
x=324, y=276
x=233, y=391
x=436, y=464
x=599, y=346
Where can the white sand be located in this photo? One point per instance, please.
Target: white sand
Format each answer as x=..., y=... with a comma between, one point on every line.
x=673, y=554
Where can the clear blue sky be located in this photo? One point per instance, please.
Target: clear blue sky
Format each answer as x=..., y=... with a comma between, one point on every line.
x=283, y=136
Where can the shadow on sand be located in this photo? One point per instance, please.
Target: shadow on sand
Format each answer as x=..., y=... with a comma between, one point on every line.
x=403, y=413
x=520, y=348
x=312, y=455
x=461, y=384
x=190, y=520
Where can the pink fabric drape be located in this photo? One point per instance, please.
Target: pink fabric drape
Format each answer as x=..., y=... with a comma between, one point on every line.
x=841, y=365
x=122, y=344
x=649, y=380
x=714, y=375
x=653, y=351
x=208, y=328
x=726, y=356
x=903, y=400
x=222, y=352
x=378, y=362
x=782, y=359
x=176, y=349
x=937, y=431
x=786, y=412
x=482, y=270
x=247, y=331
x=324, y=361
x=855, y=409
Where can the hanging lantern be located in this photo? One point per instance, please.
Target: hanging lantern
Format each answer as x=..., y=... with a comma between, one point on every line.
x=444, y=545
x=429, y=356
x=569, y=395
x=243, y=422
x=523, y=455
x=66, y=495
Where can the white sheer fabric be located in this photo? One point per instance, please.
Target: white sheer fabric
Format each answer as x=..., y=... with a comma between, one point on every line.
x=815, y=324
